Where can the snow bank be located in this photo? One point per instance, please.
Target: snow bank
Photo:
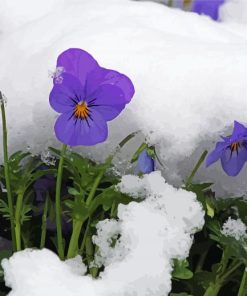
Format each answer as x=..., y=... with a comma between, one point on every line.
x=152, y=233
x=189, y=73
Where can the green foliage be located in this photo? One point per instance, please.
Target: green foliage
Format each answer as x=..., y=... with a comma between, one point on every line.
x=215, y=263
x=181, y=270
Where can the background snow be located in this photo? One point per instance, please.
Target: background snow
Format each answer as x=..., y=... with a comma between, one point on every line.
x=189, y=73
x=153, y=232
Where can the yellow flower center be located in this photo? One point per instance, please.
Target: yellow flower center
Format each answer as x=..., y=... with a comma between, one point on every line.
x=234, y=146
x=81, y=110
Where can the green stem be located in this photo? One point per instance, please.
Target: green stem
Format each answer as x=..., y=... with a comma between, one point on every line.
x=18, y=211
x=43, y=226
x=113, y=209
x=201, y=261
x=58, y=204
x=213, y=289
x=231, y=270
x=197, y=166
x=170, y=3
x=85, y=236
x=73, y=245
x=6, y=173
x=94, y=188
x=242, y=289
x=90, y=254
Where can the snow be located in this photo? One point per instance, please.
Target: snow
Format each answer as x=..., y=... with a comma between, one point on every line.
x=235, y=228
x=148, y=236
x=234, y=11
x=190, y=78
x=189, y=73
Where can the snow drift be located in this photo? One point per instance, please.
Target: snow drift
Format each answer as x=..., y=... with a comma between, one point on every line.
x=152, y=233
x=189, y=73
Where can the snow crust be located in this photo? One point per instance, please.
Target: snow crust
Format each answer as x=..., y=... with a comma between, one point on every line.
x=235, y=228
x=148, y=236
x=189, y=73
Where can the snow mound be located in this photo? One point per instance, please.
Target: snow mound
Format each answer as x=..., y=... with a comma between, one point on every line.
x=189, y=73
x=152, y=233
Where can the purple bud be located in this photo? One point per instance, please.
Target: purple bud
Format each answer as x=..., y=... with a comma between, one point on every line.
x=208, y=7
x=145, y=162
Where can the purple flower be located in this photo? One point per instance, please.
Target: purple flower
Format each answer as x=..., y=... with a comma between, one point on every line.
x=43, y=184
x=208, y=7
x=145, y=162
x=87, y=96
x=232, y=151
x=66, y=225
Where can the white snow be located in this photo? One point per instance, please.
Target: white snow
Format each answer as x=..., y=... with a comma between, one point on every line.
x=234, y=11
x=152, y=233
x=190, y=78
x=235, y=228
x=189, y=73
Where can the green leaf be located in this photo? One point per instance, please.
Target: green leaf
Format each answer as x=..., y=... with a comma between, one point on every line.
x=210, y=209
x=201, y=191
x=180, y=269
x=73, y=191
x=106, y=199
x=4, y=209
x=78, y=208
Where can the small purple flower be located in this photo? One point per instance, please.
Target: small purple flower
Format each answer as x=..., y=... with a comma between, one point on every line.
x=208, y=7
x=145, y=162
x=87, y=96
x=43, y=184
x=66, y=225
x=232, y=151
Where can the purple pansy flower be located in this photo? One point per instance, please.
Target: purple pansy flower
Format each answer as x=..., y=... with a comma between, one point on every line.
x=43, y=184
x=87, y=96
x=232, y=151
x=208, y=7
x=145, y=162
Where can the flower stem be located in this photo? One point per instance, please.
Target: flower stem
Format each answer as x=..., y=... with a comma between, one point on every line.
x=85, y=236
x=90, y=254
x=94, y=188
x=18, y=210
x=58, y=204
x=73, y=245
x=197, y=166
x=242, y=289
x=214, y=288
x=6, y=173
x=43, y=226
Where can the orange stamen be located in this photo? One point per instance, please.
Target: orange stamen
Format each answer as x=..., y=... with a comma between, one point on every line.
x=81, y=110
x=234, y=146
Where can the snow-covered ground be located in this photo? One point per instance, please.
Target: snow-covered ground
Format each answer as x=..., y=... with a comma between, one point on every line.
x=153, y=232
x=189, y=73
